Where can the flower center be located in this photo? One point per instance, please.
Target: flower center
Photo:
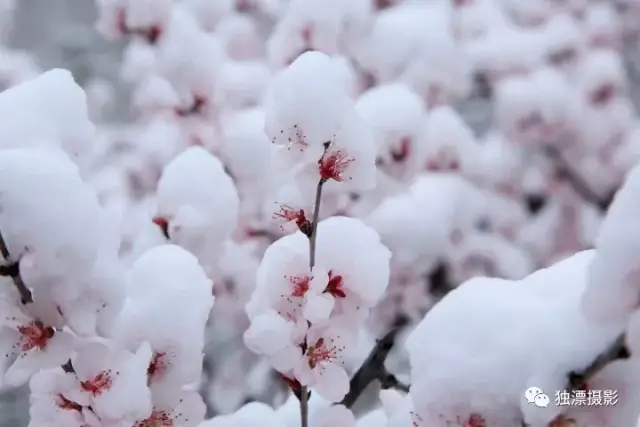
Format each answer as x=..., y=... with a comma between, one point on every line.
x=334, y=164
x=35, y=335
x=99, y=384
x=335, y=287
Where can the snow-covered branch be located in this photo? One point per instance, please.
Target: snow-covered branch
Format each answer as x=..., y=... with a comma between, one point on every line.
x=617, y=350
x=373, y=369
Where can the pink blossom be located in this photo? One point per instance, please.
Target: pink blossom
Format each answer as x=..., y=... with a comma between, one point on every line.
x=358, y=268
x=183, y=409
x=289, y=286
x=107, y=378
x=322, y=362
x=36, y=344
x=329, y=171
x=51, y=401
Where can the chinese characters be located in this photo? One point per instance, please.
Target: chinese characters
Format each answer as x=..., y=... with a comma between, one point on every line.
x=587, y=398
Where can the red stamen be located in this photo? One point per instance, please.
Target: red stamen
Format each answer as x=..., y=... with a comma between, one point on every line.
x=335, y=286
x=334, y=164
x=35, y=335
x=99, y=384
x=156, y=366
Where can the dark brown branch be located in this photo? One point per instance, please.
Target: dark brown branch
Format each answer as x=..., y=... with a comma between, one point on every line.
x=12, y=269
x=304, y=392
x=616, y=351
x=205, y=389
x=373, y=369
x=314, y=224
x=390, y=381
x=578, y=380
x=482, y=87
x=566, y=172
x=68, y=367
x=438, y=280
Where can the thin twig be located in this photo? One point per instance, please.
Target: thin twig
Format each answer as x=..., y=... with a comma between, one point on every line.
x=314, y=224
x=68, y=367
x=438, y=281
x=11, y=269
x=390, y=381
x=304, y=406
x=205, y=388
x=304, y=391
x=565, y=171
x=373, y=369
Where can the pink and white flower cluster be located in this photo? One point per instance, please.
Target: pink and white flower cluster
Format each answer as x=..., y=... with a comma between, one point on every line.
x=594, y=294
x=100, y=343
x=316, y=287
x=351, y=117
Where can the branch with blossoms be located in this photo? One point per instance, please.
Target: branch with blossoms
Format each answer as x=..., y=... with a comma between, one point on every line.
x=93, y=351
x=610, y=276
x=304, y=394
x=316, y=286
x=12, y=269
x=600, y=301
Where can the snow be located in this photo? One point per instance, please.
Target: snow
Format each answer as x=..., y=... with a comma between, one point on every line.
x=297, y=180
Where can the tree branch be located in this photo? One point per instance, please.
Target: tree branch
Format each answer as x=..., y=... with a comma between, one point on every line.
x=68, y=367
x=205, y=387
x=616, y=351
x=438, y=281
x=314, y=224
x=578, y=380
x=565, y=171
x=390, y=381
x=304, y=390
x=11, y=269
x=373, y=369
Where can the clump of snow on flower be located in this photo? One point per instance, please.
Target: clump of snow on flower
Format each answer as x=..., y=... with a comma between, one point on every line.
x=309, y=113
x=531, y=349
x=304, y=318
x=237, y=104
x=34, y=117
x=197, y=203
